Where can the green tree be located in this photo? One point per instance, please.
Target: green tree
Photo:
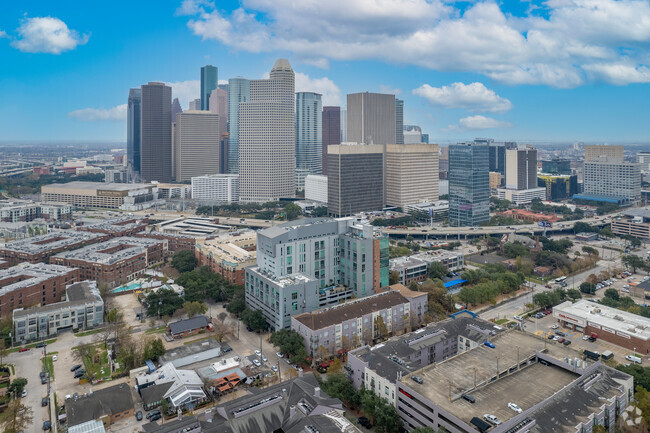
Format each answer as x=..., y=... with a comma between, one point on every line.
x=513, y=250
x=613, y=294
x=184, y=261
x=292, y=211
x=153, y=349
x=17, y=417
x=17, y=385
x=237, y=305
x=437, y=270
x=289, y=341
x=573, y=294
x=393, y=277
x=381, y=330
x=633, y=261
x=163, y=302
x=194, y=308
x=320, y=211
x=580, y=227
x=254, y=319
x=588, y=288
x=590, y=250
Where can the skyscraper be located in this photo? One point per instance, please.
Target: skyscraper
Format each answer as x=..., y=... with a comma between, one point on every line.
x=371, y=118
x=411, y=174
x=156, y=133
x=133, y=131
x=176, y=108
x=239, y=90
x=195, y=105
x=344, y=125
x=267, y=137
x=399, y=121
x=469, y=184
x=219, y=105
x=521, y=168
x=411, y=134
x=196, y=144
x=209, y=82
x=309, y=135
x=331, y=131
x=596, y=152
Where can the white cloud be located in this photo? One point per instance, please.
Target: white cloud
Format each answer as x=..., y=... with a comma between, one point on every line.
x=473, y=97
x=192, y=7
x=473, y=123
x=223, y=81
x=3, y=34
x=47, y=35
x=115, y=114
x=326, y=87
x=557, y=47
x=385, y=88
x=185, y=91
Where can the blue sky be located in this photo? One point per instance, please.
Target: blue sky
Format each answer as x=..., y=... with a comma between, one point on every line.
x=554, y=70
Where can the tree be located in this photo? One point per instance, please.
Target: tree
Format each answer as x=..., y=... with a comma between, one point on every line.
x=613, y=294
x=437, y=270
x=336, y=366
x=573, y=294
x=513, y=250
x=289, y=341
x=580, y=227
x=633, y=261
x=381, y=331
x=588, y=288
x=17, y=417
x=222, y=317
x=4, y=351
x=184, y=261
x=17, y=385
x=194, y=308
x=163, y=302
x=292, y=211
x=590, y=250
x=320, y=211
x=393, y=277
x=254, y=319
x=153, y=349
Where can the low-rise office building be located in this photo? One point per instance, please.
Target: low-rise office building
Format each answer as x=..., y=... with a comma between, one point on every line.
x=117, y=227
x=38, y=249
x=126, y=196
x=521, y=196
x=83, y=308
x=610, y=324
x=414, y=267
x=216, y=188
x=107, y=405
x=229, y=254
x=28, y=285
x=555, y=390
x=636, y=222
x=115, y=261
x=353, y=323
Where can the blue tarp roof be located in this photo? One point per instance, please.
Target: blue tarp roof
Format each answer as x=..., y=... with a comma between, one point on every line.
x=598, y=198
x=453, y=283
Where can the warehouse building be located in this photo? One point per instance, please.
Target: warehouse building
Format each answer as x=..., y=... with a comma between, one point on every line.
x=115, y=261
x=37, y=249
x=609, y=324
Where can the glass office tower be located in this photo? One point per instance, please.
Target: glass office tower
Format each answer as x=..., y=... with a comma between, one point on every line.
x=469, y=184
x=239, y=90
x=209, y=82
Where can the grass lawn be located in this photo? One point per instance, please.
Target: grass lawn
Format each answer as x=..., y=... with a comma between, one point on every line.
x=211, y=337
x=91, y=332
x=158, y=330
x=31, y=346
x=49, y=365
x=502, y=321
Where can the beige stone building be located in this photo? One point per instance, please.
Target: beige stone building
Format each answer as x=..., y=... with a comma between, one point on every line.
x=595, y=152
x=495, y=180
x=196, y=144
x=411, y=173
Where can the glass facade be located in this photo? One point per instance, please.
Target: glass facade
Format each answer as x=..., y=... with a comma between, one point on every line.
x=209, y=82
x=469, y=184
x=239, y=90
x=556, y=166
x=309, y=131
x=133, y=130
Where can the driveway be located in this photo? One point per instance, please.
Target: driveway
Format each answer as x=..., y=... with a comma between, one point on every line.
x=28, y=365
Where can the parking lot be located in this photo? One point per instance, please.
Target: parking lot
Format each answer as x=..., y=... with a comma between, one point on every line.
x=544, y=327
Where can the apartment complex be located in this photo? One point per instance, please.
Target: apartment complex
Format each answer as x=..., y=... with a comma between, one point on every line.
x=216, y=188
x=196, y=145
x=411, y=174
x=229, y=255
x=117, y=227
x=39, y=248
x=14, y=211
x=301, y=266
x=175, y=241
x=354, y=323
x=115, y=261
x=27, y=285
x=614, y=181
x=82, y=308
x=267, y=138
x=371, y=118
x=126, y=196
x=469, y=183
x=355, y=180
x=414, y=267
x=316, y=188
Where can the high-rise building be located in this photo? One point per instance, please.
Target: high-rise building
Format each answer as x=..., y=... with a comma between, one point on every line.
x=176, y=108
x=196, y=144
x=331, y=131
x=239, y=90
x=497, y=155
x=267, y=137
x=216, y=188
x=355, y=178
x=316, y=188
x=521, y=168
x=469, y=183
x=219, y=105
x=371, y=118
x=558, y=186
x=411, y=174
x=556, y=166
x=595, y=152
x=643, y=158
x=133, y=131
x=301, y=266
x=156, y=133
x=309, y=135
x=399, y=121
x=344, y=125
x=195, y=105
x=209, y=82
x=412, y=134
x=611, y=181
x=425, y=138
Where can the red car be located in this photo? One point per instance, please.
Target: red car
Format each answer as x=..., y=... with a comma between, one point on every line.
x=561, y=340
x=23, y=349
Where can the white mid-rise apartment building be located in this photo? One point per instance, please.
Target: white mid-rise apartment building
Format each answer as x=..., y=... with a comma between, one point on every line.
x=316, y=188
x=616, y=180
x=219, y=188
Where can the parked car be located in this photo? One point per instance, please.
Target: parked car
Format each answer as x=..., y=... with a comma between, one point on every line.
x=417, y=379
x=257, y=362
x=279, y=354
x=490, y=345
x=551, y=336
x=46, y=425
x=492, y=419
x=155, y=417
x=566, y=342
x=264, y=359
x=258, y=353
x=41, y=344
x=560, y=340
x=138, y=415
x=274, y=368
x=79, y=373
x=44, y=401
x=514, y=407
x=75, y=367
x=363, y=421
x=555, y=326
x=469, y=398
x=23, y=349
x=24, y=394
x=54, y=358
x=153, y=413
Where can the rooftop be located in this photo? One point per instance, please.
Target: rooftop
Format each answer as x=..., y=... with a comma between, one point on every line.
x=111, y=251
x=195, y=322
x=58, y=239
x=229, y=247
x=29, y=274
x=426, y=257
x=94, y=186
x=115, y=225
x=82, y=293
x=622, y=322
x=95, y=405
x=406, y=292
x=350, y=310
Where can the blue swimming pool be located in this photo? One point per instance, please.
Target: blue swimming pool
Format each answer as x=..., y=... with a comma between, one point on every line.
x=127, y=288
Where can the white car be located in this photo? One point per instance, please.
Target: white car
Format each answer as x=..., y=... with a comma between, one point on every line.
x=264, y=359
x=514, y=407
x=555, y=326
x=274, y=368
x=24, y=394
x=492, y=419
x=585, y=337
x=280, y=355
x=257, y=362
x=54, y=358
x=258, y=353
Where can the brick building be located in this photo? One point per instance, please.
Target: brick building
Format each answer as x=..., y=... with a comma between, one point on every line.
x=229, y=255
x=185, y=327
x=610, y=324
x=115, y=261
x=107, y=405
x=523, y=215
x=38, y=249
x=175, y=242
x=117, y=227
x=28, y=284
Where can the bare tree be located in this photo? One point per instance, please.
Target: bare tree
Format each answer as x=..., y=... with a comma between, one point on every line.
x=17, y=417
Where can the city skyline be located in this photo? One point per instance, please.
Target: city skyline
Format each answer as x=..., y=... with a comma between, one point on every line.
x=594, y=87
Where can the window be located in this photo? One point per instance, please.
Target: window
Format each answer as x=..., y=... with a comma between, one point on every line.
x=294, y=306
x=386, y=391
x=294, y=295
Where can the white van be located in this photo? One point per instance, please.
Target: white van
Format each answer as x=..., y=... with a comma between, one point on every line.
x=519, y=318
x=634, y=359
